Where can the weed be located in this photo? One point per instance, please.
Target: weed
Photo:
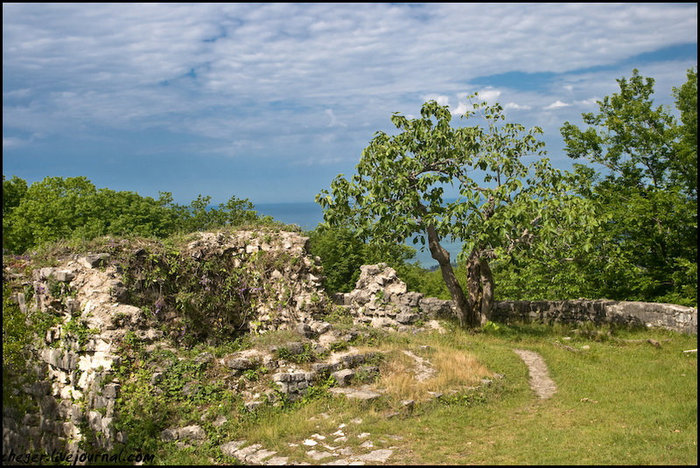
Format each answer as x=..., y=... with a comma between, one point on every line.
x=305, y=354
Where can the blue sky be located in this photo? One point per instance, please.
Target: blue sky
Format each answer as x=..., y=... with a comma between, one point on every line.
x=271, y=101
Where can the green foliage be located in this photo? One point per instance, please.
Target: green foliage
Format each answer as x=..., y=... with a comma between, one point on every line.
x=209, y=299
x=306, y=355
x=398, y=191
x=13, y=191
x=683, y=164
x=646, y=247
x=504, y=205
x=343, y=252
x=73, y=208
x=77, y=328
x=22, y=333
x=17, y=337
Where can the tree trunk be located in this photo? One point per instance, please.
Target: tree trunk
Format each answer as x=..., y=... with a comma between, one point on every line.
x=480, y=287
x=466, y=319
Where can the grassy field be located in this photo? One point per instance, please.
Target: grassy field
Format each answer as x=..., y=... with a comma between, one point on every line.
x=620, y=400
x=623, y=397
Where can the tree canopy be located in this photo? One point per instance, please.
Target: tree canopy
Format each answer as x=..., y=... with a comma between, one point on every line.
x=648, y=192
x=73, y=208
x=503, y=203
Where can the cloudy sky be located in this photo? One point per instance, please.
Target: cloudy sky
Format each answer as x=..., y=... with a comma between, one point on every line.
x=271, y=101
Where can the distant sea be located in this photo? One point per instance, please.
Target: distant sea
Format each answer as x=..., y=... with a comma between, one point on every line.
x=307, y=215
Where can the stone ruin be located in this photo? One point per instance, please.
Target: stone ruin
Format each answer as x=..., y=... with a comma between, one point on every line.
x=381, y=300
x=76, y=387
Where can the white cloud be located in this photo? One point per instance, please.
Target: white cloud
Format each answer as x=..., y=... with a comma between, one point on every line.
x=12, y=142
x=588, y=102
x=515, y=106
x=557, y=105
x=333, y=120
x=489, y=94
x=440, y=99
x=461, y=109
x=262, y=72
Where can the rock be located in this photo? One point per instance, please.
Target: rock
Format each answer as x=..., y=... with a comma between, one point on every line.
x=230, y=448
x=320, y=327
x=304, y=330
x=343, y=377
x=168, y=435
x=239, y=363
x=319, y=455
x=407, y=317
x=193, y=432
x=252, y=405
x=356, y=394
x=378, y=456
x=92, y=261
x=111, y=390
x=258, y=457
x=244, y=453
x=64, y=276
x=408, y=404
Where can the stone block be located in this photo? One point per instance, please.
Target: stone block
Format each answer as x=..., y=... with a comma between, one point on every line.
x=48, y=407
x=95, y=260
x=94, y=419
x=320, y=327
x=231, y=448
x=30, y=419
x=168, y=435
x=343, y=377
x=193, y=432
x=325, y=367
x=111, y=390
x=239, y=363
x=407, y=317
x=64, y=276
x=304, y=330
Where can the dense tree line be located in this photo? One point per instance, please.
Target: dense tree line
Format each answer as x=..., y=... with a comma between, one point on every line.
x=73, y=208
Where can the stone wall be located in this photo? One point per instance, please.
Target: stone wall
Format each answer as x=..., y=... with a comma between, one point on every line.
x=75, y=389
x=290, y=278
x=381, y=299
x=647, y=314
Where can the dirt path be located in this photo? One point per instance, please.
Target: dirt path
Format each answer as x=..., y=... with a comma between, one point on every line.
x=540, y=382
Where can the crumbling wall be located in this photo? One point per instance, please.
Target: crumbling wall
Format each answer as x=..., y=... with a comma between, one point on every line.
x=380, y=298
x=646, y=314
x=76, y=390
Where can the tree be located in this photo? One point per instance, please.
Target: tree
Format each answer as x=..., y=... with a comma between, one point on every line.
x=13, y=191
x=649, y=194
x=342, y=254
x=503, y=204
x=684, y=165
x=73, y=208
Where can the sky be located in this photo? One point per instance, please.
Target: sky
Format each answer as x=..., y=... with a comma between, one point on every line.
x=271, y=101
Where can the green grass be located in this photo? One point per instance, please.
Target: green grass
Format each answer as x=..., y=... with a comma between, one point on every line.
x=621, y=401
x=645, y=409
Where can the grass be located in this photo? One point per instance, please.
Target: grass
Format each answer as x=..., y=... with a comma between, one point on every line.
x=618, y=402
